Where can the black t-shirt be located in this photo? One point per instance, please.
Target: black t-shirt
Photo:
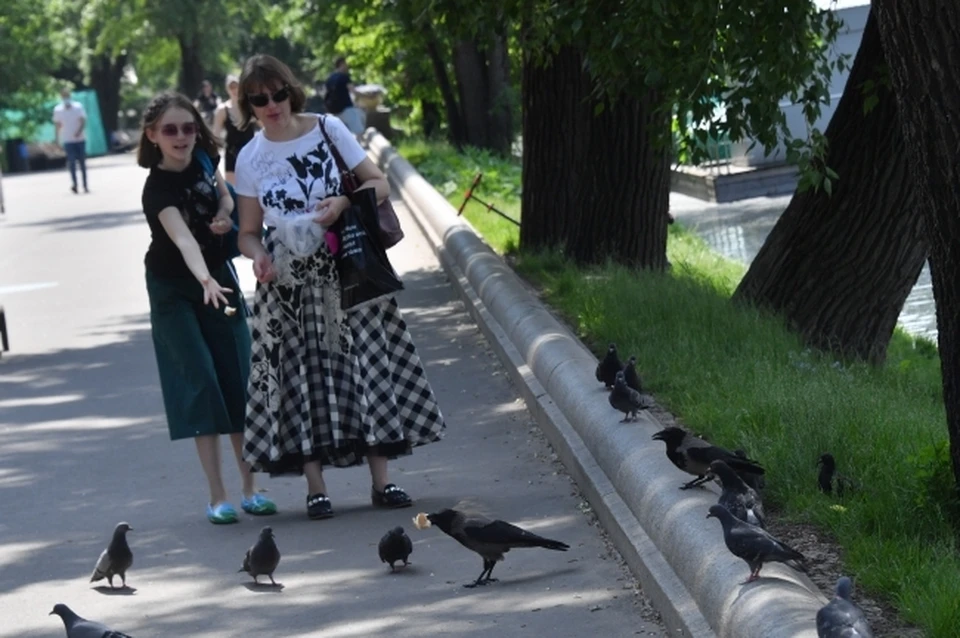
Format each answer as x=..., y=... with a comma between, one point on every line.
x=338, y=96
x=195, y=194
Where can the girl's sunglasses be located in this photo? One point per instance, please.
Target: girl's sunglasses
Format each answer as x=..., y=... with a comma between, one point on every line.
x=260, y=100
x=189, y=129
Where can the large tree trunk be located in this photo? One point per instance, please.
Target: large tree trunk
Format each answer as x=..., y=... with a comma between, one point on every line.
x=921, y=44
x=595, y=186
x=191, y=65
x=839, y=268
x=106, y=74
x=471, y=71
x=456, y=127
x=499, y=96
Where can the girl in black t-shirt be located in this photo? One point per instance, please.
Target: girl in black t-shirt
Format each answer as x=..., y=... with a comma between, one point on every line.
x=198, y=321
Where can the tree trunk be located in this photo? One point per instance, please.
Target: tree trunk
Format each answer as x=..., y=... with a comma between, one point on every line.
x=839, y=268
x=594, y=185
x=431, y=118
x=191, y=65
x=457, y=129
x=499, y=96
x=471, y=71
x=920, y=41
x=106, y=74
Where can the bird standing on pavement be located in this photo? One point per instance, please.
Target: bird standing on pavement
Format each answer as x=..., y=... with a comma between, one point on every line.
x=631, y=376
x=262, y=559
x=116, y=559
x=841, y=618
x=489, y=538
x=625, y=399
x=78, y=627
x=754, y=545
x=739, y=498
x=395, y=546
x=608, y=368
x=694, y=455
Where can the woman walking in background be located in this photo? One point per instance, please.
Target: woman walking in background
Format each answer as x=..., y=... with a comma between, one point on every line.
x=327, y=387
x=225, y=121
x=202, y=349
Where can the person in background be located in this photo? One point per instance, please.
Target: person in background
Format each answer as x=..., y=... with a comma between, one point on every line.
x=225, y=126
x=339, y=98
x=70, y=121
x=207, y=102
x=202, y=348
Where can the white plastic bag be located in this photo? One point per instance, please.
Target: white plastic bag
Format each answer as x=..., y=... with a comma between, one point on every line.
x=298, y=232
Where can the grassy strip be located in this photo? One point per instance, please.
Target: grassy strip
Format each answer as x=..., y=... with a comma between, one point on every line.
x=741, y=379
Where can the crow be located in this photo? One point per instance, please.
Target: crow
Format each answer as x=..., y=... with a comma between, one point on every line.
x=608, y=368
x=828, y=472
x=395, y=546
x=489, y=538
x=738, y=497
x=693, y=456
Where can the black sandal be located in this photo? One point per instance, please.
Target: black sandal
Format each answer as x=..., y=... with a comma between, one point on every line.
x=392, y=497
x=319, y=506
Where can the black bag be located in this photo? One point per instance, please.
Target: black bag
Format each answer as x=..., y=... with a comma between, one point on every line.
x=362, y=263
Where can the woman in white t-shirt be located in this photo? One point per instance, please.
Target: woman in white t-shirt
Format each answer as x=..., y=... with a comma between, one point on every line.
x=328, y=388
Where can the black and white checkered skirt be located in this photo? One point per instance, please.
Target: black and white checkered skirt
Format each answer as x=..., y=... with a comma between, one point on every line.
x=328, y=385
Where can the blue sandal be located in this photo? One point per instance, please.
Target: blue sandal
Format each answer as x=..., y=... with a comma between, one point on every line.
x=221, y=514
x=258, y=505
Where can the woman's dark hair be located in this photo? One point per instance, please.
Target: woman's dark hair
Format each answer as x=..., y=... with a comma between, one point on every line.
x=148, y=154
x=260, y=73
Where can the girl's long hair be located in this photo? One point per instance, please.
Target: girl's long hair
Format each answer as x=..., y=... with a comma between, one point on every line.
x=149, y=155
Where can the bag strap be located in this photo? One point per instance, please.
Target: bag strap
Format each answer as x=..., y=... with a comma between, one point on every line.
x=205, y=161
x=346, y=175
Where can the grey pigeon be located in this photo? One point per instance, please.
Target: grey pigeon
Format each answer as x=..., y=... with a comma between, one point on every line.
x=754, y=545
x=489, y=538
x=829, y=476
x=694, y=455
x=625, y=399
x=630, y=374
x=78, y=627
x=116, y=559
x=739, y=498
x=840, y=618
x=262, y=559
x=608, y=368
x=395, y=546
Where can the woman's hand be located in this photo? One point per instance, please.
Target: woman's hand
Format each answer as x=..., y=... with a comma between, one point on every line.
x=263, y=268
x=213, y=292
x=330, y=209
x=221, y=224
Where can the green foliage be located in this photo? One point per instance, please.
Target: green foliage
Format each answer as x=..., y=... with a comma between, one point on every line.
x=26, y=47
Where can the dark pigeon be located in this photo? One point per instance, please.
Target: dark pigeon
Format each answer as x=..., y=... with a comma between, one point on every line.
x=828, y=477
x=78, y=627
x=630, y=374
x=395, y=546
x=262, y=559
x=694, y=455
x=754, y=545
x=626, y=400
x=608, y=368
x=489, y=538
x=116, y=559
x=840, y=618
x=739, y=498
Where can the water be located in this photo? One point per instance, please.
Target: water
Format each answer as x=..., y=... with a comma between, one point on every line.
x=737, y=230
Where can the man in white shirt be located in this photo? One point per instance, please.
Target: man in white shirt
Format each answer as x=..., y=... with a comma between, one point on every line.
x=70, y=120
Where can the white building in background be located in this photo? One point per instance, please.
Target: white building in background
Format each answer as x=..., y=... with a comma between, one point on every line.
x=853, y=13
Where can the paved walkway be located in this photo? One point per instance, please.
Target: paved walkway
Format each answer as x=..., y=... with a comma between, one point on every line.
x=83, y=445
x=738, y=229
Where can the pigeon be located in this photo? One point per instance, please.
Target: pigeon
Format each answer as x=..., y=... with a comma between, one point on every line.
x=625, y=399
x=78, y=627
x=489, y=538
x=828, y=472
x=739, y=498
x=630, y=373
x=608, y=368
x=395, y=546
x=116, y=559
x=840, y=618
x=754, y=545
x=262, y=559
x=694, y=455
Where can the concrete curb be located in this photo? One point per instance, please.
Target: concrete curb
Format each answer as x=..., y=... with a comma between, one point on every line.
x=677, y=555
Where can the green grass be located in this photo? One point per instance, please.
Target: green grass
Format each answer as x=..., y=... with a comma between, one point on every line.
x=739, y=378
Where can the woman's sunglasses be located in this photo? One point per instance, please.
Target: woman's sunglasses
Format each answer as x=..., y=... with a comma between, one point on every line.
x=189, y=129
x=260, y=100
